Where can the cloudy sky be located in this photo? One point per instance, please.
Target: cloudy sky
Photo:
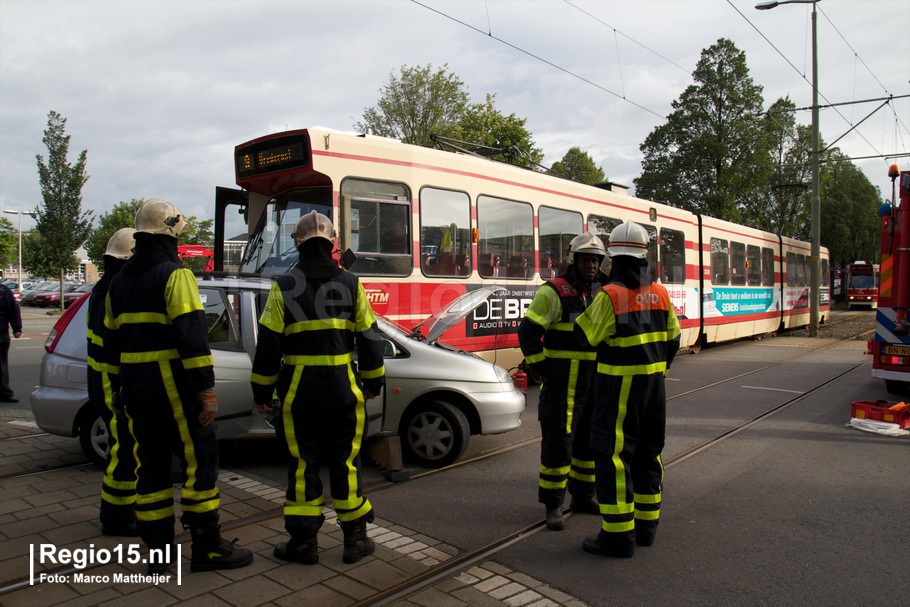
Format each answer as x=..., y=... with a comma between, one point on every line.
x=160, y=92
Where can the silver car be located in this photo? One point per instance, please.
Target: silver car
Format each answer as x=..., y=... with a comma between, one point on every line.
x=436, y=396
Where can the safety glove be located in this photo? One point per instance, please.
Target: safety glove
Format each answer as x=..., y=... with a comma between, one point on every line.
x=209, y=403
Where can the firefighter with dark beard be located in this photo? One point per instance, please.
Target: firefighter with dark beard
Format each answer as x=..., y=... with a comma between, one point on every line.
x=567, y=370
x=315, y=317
x=157, y=331
x=118, y=487
x=634, y=327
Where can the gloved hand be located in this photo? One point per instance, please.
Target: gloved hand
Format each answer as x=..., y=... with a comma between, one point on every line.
x=541, y=369
x=209, y=403
x=269, y=406
x=372, y=388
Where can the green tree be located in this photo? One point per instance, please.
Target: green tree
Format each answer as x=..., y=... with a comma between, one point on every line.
x=416, y=104
x=60, y=219
x=9, y=243
x=578, y=166
x=123, y=215
x=850, y=226
x=483, y=124
x=711, y=154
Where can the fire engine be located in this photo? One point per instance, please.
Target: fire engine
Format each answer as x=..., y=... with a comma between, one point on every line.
x=890, y=348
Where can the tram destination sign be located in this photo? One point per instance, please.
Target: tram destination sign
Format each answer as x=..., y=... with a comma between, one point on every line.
x=270, y=156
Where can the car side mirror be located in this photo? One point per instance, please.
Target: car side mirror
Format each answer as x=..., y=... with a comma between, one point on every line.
x=389, y=349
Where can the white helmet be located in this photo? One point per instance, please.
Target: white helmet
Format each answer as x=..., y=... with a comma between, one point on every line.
x=157, y=216
x=121, y=244
x=311, y=225
x=629, y=238
x=586, y=243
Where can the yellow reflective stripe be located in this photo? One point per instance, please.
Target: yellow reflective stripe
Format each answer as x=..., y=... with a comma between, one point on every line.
x=356, y=514
x=327, y=360
x=94, y=338
x=373, y=373
x=155, y=515
x=617, y=509
x=94, y=365
x=620, y=442
x=118, y=500
x=570, y=393
x=628, y=370
x=647, y=515
x=157, y=496
x=319, y=324
x=353, y=475
x=583, y=463
x=537, y=318
x=263, y=380
x=149, y=357
x=182, y=293
x=198, y=361
x=535, y=358
x=307, y=509
x=647, y=498
x=290, y=434
x=113, y=369
x=585, y=478
x=618, y=527
x=122, y=485
x=562, y=326
x=173, y=395
x=206, y=506
x=135, y=318
x=198, y=496
x=638, y=340
x=563, y=470
x=273, y=313
x=552, y=484
x=363, y=313
x=570, y=354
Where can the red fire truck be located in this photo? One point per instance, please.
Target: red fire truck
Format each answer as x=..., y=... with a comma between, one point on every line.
x=891, y=346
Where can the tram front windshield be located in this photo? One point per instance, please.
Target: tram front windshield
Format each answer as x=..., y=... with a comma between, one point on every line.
x=271, y=248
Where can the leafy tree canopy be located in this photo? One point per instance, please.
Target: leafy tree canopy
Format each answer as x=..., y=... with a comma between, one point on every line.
x=123, y=215
x=415, y=104
x=9, y=243
x=484, y=124
x=578, y=166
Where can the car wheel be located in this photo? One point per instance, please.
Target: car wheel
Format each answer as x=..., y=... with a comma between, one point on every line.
x=434, y=434
x=94, y=438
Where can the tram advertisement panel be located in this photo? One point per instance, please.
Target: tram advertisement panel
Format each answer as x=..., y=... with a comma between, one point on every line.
x=501, y=313
x=733, y=302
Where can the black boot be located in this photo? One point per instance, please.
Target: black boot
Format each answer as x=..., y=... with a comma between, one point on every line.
x=645, y=533
x=302, y=551
x=356, y=543
x=555, y=520
x=620, y=545
x=160, y=557
x=211, y=551
x=118, y=521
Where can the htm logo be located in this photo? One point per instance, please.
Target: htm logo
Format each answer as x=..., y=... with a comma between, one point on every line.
x=375, y=296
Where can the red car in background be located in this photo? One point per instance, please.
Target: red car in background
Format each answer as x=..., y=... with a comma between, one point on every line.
x=74, y=295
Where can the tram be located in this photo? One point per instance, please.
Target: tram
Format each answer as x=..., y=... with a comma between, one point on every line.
x=429, y=225
x=862, y=284
x=890, y=348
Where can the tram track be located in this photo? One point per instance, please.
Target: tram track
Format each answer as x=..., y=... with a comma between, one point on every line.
x=471, y=557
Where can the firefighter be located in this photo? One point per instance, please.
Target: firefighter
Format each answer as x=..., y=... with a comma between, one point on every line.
x=634, y=327
x=315, y=317
x=567, y=371
x=156, y=328
x=118, y=486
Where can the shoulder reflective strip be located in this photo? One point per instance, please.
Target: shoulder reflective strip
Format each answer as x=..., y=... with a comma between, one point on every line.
x=136, y=318
x=372, y=373
x=320, y=324
x=273, y=314
x=147, y=357
x=364, y=317
x=198, y=361
x=660, y=367
x=570, y=354
x=328, y=360
x=182, y=293
x=263, y=380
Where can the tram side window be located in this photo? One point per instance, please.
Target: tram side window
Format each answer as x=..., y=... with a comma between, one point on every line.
x=753, y=264
x=737, y=263
x=824, y=277
x=445, y=232
x=672, y=256
x=791, y=270
x=505, y=248
x=652, y=251
x=720, y=262
x=767, y=266
x=557, y=229
x=801, y=271
x=602, y=226
x=376, y=225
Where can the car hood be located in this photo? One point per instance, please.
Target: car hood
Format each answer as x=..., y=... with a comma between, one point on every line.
x=440, y=322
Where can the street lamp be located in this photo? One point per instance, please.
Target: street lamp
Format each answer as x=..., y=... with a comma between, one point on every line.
x=815, y=202
x=20, y=214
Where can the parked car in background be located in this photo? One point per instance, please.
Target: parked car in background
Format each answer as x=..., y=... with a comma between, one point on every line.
x=51, y=298
x=436, y=396
x=28, y=297
x=70, y=297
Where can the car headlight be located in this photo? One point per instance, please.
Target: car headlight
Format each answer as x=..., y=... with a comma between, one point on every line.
x=502, y=375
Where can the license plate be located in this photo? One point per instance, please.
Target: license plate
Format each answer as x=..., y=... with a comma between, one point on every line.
x=898, y=350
